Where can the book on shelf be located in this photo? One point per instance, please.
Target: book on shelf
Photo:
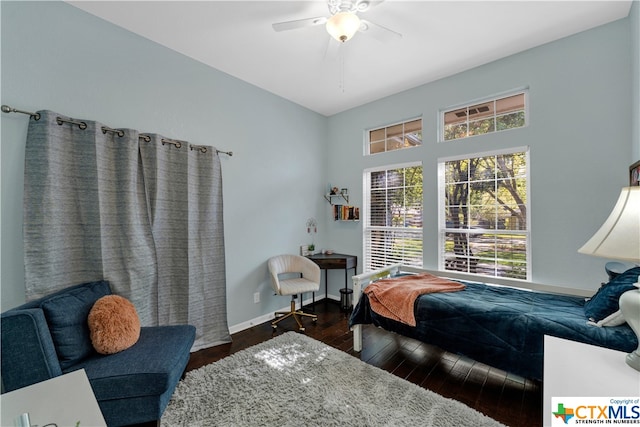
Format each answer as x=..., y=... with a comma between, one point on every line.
x=346, y=213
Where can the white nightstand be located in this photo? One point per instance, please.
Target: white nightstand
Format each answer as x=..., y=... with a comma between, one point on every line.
x=573, y=369
x=63, y=400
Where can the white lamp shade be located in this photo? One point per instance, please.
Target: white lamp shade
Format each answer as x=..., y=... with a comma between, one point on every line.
x=619, y=236
x=343, y=25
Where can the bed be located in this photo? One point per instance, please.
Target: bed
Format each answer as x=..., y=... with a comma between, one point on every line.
x=501, y=326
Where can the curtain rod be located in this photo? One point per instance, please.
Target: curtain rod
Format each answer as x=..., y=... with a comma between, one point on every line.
x=83, y=125
x=7, y=109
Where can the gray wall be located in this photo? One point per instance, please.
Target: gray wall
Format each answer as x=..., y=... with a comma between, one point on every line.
x=56, y=57
x=579, y=138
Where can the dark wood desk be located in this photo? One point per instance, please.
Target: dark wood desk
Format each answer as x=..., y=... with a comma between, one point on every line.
x=335, y=262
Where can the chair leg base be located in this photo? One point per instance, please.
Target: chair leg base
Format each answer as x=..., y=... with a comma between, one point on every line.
x=296, y=314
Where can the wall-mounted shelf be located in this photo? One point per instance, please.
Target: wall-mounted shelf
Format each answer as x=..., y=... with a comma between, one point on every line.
x=342, y=212
x=331, y=197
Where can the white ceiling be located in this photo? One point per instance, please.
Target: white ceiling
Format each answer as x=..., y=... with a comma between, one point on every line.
x=439, y=38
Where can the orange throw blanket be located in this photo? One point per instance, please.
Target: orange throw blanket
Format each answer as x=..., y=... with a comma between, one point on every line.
x=395, y=298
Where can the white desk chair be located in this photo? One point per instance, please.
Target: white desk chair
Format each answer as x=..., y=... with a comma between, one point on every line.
x=308, y=282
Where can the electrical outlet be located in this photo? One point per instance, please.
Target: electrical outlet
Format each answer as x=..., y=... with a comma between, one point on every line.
x=256, y=297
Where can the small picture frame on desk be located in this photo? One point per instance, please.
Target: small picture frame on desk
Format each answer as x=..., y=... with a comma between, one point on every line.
x=634, y=174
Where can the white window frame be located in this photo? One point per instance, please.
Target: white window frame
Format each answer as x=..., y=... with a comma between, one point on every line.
x=367, y=136
x=442, y=112
x=366, y=214
x=442, y=229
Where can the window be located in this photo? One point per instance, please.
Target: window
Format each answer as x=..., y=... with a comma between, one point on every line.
x=484, y=215
x=395, y=137
x=492, y=115
x=393, y=216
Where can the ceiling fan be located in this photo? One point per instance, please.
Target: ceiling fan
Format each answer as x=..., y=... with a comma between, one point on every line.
x=343, y=22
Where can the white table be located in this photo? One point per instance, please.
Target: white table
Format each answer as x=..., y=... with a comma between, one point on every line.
x=573, y=369
x=63, y=400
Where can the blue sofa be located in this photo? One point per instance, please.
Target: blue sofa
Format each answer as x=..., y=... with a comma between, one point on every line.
x=49, y=337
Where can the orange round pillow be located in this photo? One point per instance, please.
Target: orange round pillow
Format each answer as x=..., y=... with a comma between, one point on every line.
x=113, y=324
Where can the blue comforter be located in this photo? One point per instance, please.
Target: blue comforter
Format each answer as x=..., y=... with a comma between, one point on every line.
x=499, y=326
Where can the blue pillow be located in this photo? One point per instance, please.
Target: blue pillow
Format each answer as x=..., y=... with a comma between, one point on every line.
x=66, y=313
x=605, y=301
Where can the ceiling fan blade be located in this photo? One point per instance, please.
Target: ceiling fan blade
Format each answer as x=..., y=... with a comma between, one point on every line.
x=379, y=32
x=300, y=23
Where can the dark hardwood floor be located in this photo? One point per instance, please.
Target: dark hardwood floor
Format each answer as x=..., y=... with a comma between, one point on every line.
x=507, y=398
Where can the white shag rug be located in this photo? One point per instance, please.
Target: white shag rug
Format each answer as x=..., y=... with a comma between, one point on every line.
x=294, y=380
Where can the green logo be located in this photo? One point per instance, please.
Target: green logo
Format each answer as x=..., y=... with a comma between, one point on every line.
x=565, y=413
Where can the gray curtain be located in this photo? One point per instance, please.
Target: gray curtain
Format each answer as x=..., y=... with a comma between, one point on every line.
x=141, y=211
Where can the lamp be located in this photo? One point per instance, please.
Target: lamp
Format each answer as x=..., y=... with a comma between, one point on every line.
x=343, y=25
x=619, y=238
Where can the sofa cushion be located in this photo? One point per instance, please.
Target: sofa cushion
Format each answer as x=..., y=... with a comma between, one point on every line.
x=605, y=302
x=113, y=324
x=66, y=314
x=150, y=367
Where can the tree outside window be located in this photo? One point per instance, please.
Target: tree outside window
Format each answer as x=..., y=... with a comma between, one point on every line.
x=393, y=230
x=485, y=210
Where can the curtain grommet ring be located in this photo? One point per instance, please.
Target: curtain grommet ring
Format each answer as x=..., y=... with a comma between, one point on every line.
x=200, y=148
x=118, y=132
x=60, y=121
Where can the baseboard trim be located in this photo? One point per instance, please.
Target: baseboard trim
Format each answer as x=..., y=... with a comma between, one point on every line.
x=270, y=316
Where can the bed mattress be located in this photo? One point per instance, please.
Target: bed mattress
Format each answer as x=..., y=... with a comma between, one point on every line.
x=500, y=326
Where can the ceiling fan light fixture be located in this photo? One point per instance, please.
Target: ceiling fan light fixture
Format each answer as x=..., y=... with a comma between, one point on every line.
x=343, y=25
